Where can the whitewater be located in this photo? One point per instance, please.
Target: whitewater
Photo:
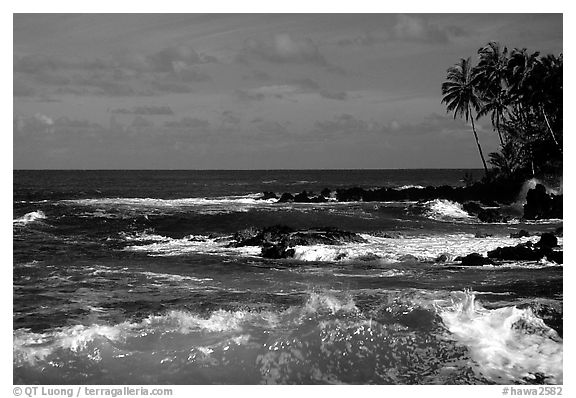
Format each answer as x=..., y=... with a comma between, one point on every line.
x=116, y=281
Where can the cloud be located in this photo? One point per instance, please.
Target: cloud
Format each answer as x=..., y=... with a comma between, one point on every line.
x=256, y=75
x=166, y=59
x=248, y=95
x=21, y=89
x=272, y=126
x=346, y=124
x=335, y=95
x=169, y=70
x=305, y=84
x=407, y=28
x=188, y=123
x=144, y=110
x=282, y=48
x=410, y=27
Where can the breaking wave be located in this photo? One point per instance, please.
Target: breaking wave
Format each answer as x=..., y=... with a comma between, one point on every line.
x=446, y=210
x=376, y=248
x=508, y=344
x=407, y=338
x=30, y=217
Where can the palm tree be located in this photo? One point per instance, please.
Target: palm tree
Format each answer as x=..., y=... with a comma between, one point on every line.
x=460, y=96
x=490, y=78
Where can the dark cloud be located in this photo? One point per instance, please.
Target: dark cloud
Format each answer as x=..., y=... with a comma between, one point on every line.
x=272, y=127
x=166, y=60
x=346, y=124
x=188, y=123
x=166, y=71
x=282, y=48
x=248, y=95
x=169, y=86
x=140, y=122
x=21, y=89
x=335, y=95
x=144, y=110
x=407, y=28
x=172, y=58
x=257, y=75
x=306, y=84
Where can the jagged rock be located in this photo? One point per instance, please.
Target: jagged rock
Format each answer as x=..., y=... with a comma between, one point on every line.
x=480, y=234
x=521, y=252
x=276, y=250
x=491, y=216
x=286, y=197
x=472, y=208
x=268, y=195
x=277, y=241
x=326, y=193
x=547, y=240
x=408, y=258
x=474, y=259
x=520, y=234
x=540, y=205
x=443, y=257
x=529, y=252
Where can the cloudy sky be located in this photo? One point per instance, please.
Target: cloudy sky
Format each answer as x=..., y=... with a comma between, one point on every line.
x=251, y=91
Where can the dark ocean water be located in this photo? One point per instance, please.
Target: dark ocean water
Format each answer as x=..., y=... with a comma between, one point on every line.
x=127, y=277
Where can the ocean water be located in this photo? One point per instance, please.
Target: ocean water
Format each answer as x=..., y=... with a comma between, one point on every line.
x=128, y=277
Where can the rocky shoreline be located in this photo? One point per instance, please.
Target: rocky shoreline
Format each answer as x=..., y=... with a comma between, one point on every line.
x=484, y=201
x=278, y=241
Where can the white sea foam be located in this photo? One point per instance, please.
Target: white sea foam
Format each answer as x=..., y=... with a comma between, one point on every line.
x=164, y=246
x=410, y=186
x=142, y=206
x=508, y=344
x=30, y=217
x=380, y=249
x=30, y=347
x=442, y=209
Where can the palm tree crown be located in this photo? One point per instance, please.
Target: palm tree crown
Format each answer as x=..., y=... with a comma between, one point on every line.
x=461, y=97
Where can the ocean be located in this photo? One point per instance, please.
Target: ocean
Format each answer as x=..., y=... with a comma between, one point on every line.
x=131, y=277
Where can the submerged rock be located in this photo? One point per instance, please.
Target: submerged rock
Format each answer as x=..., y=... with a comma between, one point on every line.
x=544, y=248
x=520, y=234
x=474, y=259
x=268, y=195
x=277, y=241
x=541, y=205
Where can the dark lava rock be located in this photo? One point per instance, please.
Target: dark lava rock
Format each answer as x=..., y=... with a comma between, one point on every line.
x=529, y=252
x=276, y=250
x=326, y=193
x=491, y=216
x=520, y=234
x=277, y=241
x=521, y=252
x=442, y=258
x=408, y=258
x=540, y=205
x=547, y=240
x=286, y=197
x=472, y=208
x=268, y=195
x=474, y=259
x=302, y=197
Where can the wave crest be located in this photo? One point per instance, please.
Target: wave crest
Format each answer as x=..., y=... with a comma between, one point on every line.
x=508, y=344
x=30, y=217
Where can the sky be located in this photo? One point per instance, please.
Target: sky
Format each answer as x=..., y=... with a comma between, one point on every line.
x=251, y=91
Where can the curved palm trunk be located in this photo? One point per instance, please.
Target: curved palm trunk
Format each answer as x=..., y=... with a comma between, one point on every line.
x=550, y=128
x=498, y=129
x=478, y=142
